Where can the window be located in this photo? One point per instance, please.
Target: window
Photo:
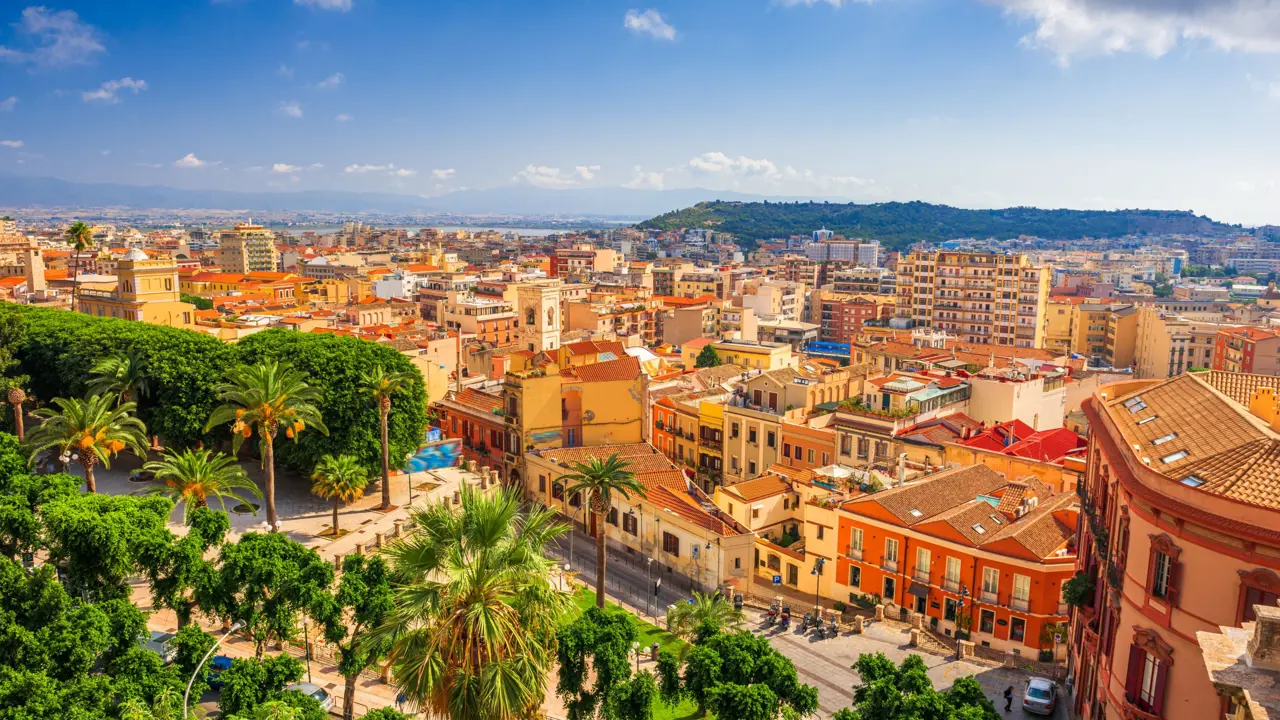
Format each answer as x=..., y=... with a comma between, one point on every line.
x=1017, y=629
x=670, y=544
x=820, y=532
x=771, y=439
x=953, y=571
x=810, y=456
x=793, y=574
x=576, y=500
x=923, y=560
x=826, y=458
x=786, y=449
x=990, y=580
x=855, y=539
x=733, y=431
x=630, y=524
x=557, y=491
x=751, y=468
x=855, y=577
x=755, y=513
x=890, y=550
x=1173, y=457
x=987, y=621
x=737, y=563
x=542, y=483
x=1149, y=661
x=864, y=446
x=949, y=612
x=1022, y=588
x=1164, y=570
x=751, y=435
x=1160, y=575
x=612, y=517
x=1164, y=438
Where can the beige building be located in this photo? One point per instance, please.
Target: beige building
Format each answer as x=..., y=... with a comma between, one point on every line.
x=146, y=291
x=539, y=315
x=774, y=299
x=1059, y=327
x=755, y=355
x=247, y=248
x=979, y=297
x=714, y=319
x=1168, y=344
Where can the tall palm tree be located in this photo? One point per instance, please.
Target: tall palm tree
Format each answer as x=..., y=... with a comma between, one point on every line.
x=194, y=476
x=340, y=480
x=123, y=375
x=601, y=480
x=16, y=397
x=264, y=398
x=684, y=618
x=380, y=385
x=80, y=237
x=473, y=631
x=92, y=430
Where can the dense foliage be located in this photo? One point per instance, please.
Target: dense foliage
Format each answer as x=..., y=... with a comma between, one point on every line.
x=897, y=225
x=889, y=692
x=736, y=675
x=599, y=643
x=57, y=350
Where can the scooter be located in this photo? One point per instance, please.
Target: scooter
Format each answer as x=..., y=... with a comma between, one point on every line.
x=834, y=628
x=786, y=620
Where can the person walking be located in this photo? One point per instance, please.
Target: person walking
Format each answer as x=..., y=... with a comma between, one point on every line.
x=1008, y=698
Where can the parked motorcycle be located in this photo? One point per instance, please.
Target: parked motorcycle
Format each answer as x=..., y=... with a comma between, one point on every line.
x=833, y=630
x=785, y=621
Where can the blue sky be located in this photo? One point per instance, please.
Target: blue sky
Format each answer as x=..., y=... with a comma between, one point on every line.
x=978, y=103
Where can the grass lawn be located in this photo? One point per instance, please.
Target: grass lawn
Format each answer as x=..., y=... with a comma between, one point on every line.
x=649, y=634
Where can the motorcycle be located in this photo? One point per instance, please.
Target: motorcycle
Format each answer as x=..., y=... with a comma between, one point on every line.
x=834, y=628
x=786, y=620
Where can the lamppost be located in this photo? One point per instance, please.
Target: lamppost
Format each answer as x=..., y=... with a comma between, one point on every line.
x=648, y=582
x=817, y=583
x=564, y=579
x=186, y=695
x=306, y=639
x=408, y=471
x=65, y=458
x=635, y=648
x=964, y=593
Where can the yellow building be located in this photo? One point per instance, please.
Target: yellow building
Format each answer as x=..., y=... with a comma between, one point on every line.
x=1106, y=333
x=755, y=355
x=1059, y=328
x=1168, y=344
x=247, y=248
x=146, y=290
x=674, y=524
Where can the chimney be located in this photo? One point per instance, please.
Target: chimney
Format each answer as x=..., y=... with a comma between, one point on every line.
x=902, y=469
x=1263, y=651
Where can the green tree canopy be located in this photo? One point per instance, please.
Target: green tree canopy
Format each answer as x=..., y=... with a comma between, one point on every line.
x=364, y=601
x=99, y=540
x=733, y=671
x=889, y=692
x=598, y=642
x=707, y=357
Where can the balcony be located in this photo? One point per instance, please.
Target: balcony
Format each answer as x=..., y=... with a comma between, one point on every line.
x=990, y=598
x=890, y=565
x=710, y=443
x=1020, y=604
x=512, y=420
x=951, y=585
x=1064, y=609
x=853, y=553
x=1133, y=711
x=921, y=576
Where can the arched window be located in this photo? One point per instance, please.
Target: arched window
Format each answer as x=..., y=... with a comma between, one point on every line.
x=551, y=317
x=529, y=317
x=1257, y=587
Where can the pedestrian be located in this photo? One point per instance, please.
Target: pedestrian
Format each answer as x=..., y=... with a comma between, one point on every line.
x=1008, y=698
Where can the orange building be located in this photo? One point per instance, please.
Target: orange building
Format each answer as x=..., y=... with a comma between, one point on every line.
x=967, y=548
x=1182, y=536
x=474, y=416
x=807, y=447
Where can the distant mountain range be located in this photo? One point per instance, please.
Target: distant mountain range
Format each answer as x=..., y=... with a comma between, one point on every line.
x=899, y=224
x=20, y=191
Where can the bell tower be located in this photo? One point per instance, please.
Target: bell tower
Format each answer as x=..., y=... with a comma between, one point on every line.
x=538, y=308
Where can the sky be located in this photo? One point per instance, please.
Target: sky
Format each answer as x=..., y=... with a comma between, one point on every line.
x=1171, y=104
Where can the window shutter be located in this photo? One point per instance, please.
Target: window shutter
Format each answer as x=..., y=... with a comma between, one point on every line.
x=1151, y=570
x=1157, y=700
x=1175, y=582
x=1133, y=680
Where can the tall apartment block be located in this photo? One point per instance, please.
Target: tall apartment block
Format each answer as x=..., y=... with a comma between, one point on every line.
x=247, y=248
x=978, y=297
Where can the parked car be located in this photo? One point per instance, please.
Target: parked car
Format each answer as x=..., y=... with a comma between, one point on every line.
x=312, y=690
x=218, y=665
x=161, y=644
x=1041, y=696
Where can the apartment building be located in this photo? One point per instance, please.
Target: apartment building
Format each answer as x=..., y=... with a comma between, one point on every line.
x=979, y=297
x=755, y=355
x=866, y=254
x=878, y=427
x=583, y=259
x=146, y=291
x=1181, y=508
x=1247, y=350
x=773, y=299
x=696, y=283
x=476, y=418
x=864, y=281
x=1169, y=344
x=1059, y=328
x=617, y=317
x=1106, y=333
x=492, y=321
x=841, y=316
x=247, y=248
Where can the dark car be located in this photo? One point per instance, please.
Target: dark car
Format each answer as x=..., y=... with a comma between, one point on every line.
x=218, y=665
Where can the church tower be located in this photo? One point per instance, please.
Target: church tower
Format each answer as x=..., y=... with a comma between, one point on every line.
x=538, y=307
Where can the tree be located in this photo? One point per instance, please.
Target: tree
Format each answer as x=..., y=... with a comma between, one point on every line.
x=683, y=619
x=364, y=601
x=266, y=581
x=473, y=630
x=12, y=334
x=249, y=683
x=730, y=671
x=123, y=375
x=90, y=430
x=99, y=541
x=380, y=385
x=600, y=480
x=264, y=398
x=193, y=476
x=21, y=497
x=598, y=642
x=80, y=237
x=177, y=566
x=192, y=643
x=633, y=700
x=708, y=357
x=886, y=692
x=339, y=480
x=201, y=303
x=386, y=714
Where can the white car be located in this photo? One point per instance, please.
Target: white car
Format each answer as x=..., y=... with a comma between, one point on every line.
x=1041, y=696
x=160, y=643
x=315, y=692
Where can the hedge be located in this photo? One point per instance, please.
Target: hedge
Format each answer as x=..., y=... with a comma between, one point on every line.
x=59, y=347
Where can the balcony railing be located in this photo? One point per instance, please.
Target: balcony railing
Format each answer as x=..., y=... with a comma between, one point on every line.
x=853, y=553
x=990, y=598
x=921, y=576
x=1020, y=604
x=890, y=565
x=951, y=585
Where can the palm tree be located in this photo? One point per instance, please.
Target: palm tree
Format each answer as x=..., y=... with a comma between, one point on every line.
x=264, y=398
x=340, y=480
x=92, y=430
x=194, y=476
x=124, y=375
x=380, y=385
x=16, y=398
x=683, y=619
x=80, y=237
x=473, y=631
x=600, y=480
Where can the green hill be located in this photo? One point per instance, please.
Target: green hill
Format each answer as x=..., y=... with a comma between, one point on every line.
x=897, y=225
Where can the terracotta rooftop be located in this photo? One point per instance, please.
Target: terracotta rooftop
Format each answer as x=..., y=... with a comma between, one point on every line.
x=919, y=502
x=624, y=368
x=766, y=485
x=482, y=401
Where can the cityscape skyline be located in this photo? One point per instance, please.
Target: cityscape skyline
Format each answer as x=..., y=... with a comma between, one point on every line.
x=1073, y=103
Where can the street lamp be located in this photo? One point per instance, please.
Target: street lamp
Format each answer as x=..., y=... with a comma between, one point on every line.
x=564, y=578
x=635, y=648
x=648, y=581
x=964, y=593
x=186, y=695
x=409, y=474
x=817, y=583
x=306, y=639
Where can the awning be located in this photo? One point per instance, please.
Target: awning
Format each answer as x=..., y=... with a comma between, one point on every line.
x=918, y=590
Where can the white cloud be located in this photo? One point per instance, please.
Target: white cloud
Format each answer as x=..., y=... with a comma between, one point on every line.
x=189, y=161
x=332, y=81
x=8, y=103
x=444, y=174
x=11, y=143
x=832, y=3
x=58, y=38
x=645, y=180
x=290, y=108
x=284, y=168
x=403, y=172
x=720, y=171
x=285, y=71
x=108, y=92
x=717, y=162
x=343, y=117
x=389, y=169
x=549, y=177
x=1103, y=27
x=650, y=22
x=339, y=5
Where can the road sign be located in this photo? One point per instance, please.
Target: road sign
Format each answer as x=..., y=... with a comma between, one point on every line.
x=777, y=579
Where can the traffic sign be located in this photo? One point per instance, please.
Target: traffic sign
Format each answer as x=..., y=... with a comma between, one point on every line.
x=777, y=579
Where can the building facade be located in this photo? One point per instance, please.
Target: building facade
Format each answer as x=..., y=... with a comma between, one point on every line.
x=979, y=297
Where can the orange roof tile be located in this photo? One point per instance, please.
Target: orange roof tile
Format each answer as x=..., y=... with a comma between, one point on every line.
x=625, y=368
